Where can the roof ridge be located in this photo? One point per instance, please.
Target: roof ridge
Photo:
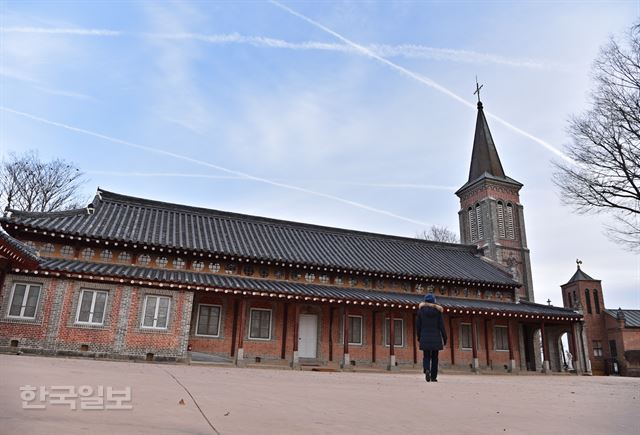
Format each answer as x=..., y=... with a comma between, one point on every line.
x=522, y=301
x=70, y=212
x=104, y=195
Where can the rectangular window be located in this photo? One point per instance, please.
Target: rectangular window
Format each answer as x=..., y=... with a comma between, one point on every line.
x=597, y=348
x=465, y=336
x=502, y=338
x=355, y=329
x=208, y=320
x=260, y=324
x=24, y=300
x=398, y=332
x=156, y=312
x=91, y=306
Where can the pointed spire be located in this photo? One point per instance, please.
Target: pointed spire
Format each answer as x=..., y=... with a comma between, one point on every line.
x=484, y=157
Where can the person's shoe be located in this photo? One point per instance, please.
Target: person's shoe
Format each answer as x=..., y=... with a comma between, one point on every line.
x=434, y=380
x=427, y=378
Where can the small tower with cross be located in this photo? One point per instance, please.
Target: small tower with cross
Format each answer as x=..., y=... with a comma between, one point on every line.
x=491, y=215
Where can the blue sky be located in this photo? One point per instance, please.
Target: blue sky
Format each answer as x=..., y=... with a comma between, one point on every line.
x=308, y=126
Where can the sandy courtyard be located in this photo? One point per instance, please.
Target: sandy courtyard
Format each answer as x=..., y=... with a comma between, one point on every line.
x=241, y=401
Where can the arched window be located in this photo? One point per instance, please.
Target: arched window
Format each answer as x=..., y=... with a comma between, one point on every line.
x=473, y=229
x=479, y=219
x=124, y=257
x=248, y=270
x=48, y=248
x=509, y=222
x=588, y=298
x=198, y=266
x=596, y=300
x=178, y=263
x=500, y=209
x=144, y=260
x=67, y=251
x=106, y=255
x=214, y=267
x=570, y=300
x=88, y=253
x=162, y=261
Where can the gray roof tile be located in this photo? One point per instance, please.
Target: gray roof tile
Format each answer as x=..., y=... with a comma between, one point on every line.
x=141, y=221
x=292, y=288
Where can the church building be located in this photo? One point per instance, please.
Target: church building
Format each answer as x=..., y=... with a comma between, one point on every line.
x=135, y=278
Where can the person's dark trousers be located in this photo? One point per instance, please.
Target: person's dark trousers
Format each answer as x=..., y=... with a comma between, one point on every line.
x=430, y=363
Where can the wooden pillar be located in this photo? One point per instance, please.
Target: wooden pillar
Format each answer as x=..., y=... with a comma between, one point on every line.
x=241, y=322
x=296, y=338
x=415, y=348
x=474, y=344
x=373, y=337
x=545, y=349
x=234, y=328
x=345, y=338
x=330, y=333
x=392, y=335
x=285, y=324
x=486, y=341
x=392, y=349
x=452, y=342
x=512, y=361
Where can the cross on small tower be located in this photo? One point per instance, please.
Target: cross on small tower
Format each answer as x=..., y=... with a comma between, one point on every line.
x=478, y=87
x=549, y=302
x=578, y=262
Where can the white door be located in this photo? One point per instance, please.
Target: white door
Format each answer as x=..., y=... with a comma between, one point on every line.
x=308, y=336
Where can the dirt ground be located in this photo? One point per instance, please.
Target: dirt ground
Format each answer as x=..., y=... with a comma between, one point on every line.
x=230, y=400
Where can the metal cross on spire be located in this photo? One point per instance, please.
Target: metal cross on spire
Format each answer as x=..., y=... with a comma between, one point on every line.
x=478, y=87
x=578, y=262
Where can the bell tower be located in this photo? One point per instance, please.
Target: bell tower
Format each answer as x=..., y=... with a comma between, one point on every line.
x=491, y=215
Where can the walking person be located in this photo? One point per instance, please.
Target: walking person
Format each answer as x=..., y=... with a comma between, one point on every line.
x=431, y=334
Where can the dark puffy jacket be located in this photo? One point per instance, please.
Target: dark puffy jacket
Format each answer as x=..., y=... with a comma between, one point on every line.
x=430, y=327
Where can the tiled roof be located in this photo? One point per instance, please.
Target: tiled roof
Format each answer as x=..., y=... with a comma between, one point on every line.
x=132, y=220
x=631, y=317
x=205, y=280
x=16, y=250
x=580, y=275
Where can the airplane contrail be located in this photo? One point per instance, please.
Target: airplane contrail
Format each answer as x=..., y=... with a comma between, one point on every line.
x=232, y=177
x=415, y=51
x=420, y=78
x=211, y=165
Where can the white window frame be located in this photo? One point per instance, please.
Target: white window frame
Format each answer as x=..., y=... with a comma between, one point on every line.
x=495, y=336
x=470, y=336
x=270, y=323
x=361, y=328
x=386, y=334
x=155, y=315
x=597, y=351
x=93, y=304
x=219, y=320
x=24, y=299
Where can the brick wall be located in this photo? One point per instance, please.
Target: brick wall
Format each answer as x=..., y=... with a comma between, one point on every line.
x=56, y=331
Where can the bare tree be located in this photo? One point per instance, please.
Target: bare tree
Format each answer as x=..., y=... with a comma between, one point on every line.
x=605, y=144
x=29, y=184
x=438, y=234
